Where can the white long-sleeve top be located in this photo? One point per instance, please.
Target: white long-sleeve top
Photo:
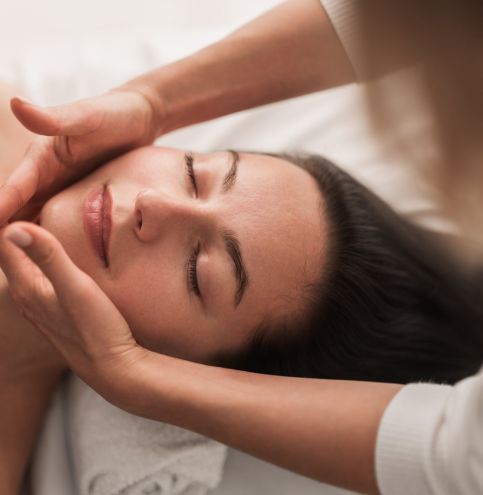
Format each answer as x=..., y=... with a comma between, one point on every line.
x=430, y=439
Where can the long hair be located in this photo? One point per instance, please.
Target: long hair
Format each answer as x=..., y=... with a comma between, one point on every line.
x=390, y=307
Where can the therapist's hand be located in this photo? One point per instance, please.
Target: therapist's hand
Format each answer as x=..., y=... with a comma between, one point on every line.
x=72, y=312
x=75, y=138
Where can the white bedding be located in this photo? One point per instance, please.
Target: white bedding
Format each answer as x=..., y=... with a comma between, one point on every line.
x=58, y=51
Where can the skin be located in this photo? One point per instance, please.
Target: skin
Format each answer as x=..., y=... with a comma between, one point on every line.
x=29, y=366
x=289, y=51
x=202, y=398
x=170, y=210
x=159, y=219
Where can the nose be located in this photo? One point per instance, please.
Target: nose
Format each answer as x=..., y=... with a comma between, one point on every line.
x=158, y=212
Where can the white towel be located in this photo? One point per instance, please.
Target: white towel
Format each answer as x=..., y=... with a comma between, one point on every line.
x=116, y=453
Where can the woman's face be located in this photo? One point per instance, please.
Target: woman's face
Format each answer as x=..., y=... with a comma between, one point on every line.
x=203, y=247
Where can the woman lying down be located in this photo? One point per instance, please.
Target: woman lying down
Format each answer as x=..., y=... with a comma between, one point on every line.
x=272, y=263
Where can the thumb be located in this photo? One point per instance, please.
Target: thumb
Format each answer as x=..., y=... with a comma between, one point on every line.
x=72, y=119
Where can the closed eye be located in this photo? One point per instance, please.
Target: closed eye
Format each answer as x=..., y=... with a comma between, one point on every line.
x=188, y=158
x=193, y=273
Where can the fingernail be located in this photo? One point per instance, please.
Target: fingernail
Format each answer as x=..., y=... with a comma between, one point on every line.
x=24, y=100
x=19, y=237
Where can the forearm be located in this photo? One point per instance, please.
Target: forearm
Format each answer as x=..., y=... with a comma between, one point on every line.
x=29, y=370
x=24, y=402
x=324, y=429
x=289, y=51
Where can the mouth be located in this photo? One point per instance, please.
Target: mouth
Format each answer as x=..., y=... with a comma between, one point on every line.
x=97, y=216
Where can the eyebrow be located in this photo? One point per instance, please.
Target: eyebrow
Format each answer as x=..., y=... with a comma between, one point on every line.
x=230, y=177
x=232, y=246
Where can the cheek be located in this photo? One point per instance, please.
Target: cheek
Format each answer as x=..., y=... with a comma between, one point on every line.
x=160, y=317
x=147, y=295
x=62, y=217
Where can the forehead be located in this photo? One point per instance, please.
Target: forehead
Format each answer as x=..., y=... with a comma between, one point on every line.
x=278, y=213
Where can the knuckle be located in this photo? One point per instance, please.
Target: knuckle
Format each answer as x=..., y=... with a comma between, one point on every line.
x=14, y=193
x=94, y=120
x=31, y=292
x=46, y=256
x=63, y=150
x=50, y=299
x=41, y=289
x=35, y=301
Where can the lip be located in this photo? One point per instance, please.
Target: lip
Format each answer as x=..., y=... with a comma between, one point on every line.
x=97, y=217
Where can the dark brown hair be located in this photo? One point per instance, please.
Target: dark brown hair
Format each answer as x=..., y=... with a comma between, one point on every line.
x=392, y=306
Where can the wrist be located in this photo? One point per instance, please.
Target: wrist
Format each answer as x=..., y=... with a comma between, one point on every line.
x=190, y=395
x=133, y=381
x=153, y=385
x=151, y=101
x=171, y=93
x=163, y=388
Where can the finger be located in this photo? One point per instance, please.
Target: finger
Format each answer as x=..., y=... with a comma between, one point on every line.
x=11, y=200
x=70, y=125
x=73, y=119
x=20, y=186
x=29, y=213
x=14, y=262
x=32, y=292
x=75, y=291
x=49, y=255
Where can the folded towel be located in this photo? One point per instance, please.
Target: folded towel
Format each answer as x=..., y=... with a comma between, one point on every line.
x=116, y=453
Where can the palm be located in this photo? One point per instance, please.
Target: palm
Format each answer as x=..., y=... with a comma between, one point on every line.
x=53, y=294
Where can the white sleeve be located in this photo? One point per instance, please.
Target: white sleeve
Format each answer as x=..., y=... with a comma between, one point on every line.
x=343, y=16
x=430, y=440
